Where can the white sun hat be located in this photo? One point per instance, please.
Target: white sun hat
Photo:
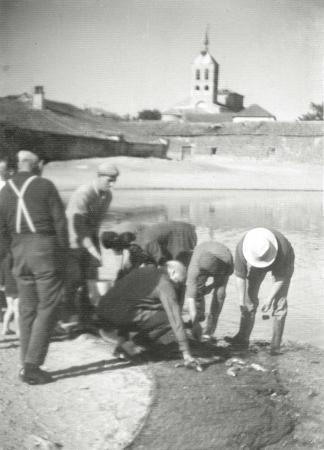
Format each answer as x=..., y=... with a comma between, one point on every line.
x=260, y=247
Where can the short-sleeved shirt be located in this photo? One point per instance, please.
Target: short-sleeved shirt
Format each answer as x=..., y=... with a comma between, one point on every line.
x=197, y=275
x=282, y=266
x=85, y=212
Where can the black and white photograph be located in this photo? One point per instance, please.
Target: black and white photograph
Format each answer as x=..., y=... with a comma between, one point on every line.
x=161, y=225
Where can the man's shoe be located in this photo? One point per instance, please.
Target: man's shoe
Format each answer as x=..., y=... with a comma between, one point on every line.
x=110, y=336
x=275, y=352
x=127, y=351
x=34, y=375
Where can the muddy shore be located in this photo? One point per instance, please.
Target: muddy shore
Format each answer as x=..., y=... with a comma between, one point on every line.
x=98, y=402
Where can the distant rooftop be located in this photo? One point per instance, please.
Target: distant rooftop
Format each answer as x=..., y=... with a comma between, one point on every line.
x=254, y=111
x=61, y=118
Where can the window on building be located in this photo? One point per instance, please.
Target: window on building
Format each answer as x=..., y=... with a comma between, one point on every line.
x=206, y=88
x=197, y=74
x=197, y=88
x=206, y=74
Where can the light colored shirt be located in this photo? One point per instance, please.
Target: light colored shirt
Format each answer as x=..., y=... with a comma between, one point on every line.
x=196, y=276
x=85, y=212
x=281, y=267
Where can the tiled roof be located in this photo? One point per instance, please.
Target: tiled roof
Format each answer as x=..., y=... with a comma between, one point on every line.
x=62, y=118
x=254, y=111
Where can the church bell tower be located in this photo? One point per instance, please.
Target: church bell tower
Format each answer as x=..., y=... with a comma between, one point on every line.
x=204, y=79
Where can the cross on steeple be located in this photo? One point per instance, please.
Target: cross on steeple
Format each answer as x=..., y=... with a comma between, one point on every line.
x=206, y=41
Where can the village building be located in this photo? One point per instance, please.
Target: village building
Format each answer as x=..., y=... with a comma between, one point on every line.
x=60, y=131
x=207, y=102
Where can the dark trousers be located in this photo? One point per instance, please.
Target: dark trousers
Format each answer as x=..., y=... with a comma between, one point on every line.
x=151, y=324
x=81, y=267
x=37, y=265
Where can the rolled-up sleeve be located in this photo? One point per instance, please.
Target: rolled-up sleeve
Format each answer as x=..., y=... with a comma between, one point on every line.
x=240, y=265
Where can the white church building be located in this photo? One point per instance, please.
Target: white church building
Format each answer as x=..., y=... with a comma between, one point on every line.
x=208, y=103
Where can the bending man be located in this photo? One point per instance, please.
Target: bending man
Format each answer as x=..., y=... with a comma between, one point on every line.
x=209, y=259
x=167, y=240
x=260, y=251
x=145, y=300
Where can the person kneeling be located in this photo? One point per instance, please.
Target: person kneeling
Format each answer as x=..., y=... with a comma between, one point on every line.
x=145, y=300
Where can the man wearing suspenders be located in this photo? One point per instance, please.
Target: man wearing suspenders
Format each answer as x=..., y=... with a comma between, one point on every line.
x=33, y=226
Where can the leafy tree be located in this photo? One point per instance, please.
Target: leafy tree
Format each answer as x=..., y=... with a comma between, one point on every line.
x=316, y=112
x=149, y=114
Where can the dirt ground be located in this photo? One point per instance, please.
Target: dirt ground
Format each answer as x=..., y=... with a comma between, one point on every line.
x=98, y=402
x=279, y=408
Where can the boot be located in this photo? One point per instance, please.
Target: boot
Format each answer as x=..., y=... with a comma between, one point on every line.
x=242, y=338
x=212, y=320
x=277, y=332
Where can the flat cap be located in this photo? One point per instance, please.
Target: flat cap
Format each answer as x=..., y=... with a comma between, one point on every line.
x=26, y=155
x=108, y=169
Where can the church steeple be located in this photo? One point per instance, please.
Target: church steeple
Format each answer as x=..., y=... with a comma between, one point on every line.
x=204, y=82
x=206, y=43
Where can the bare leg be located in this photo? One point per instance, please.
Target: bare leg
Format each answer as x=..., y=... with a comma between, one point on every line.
x=16, y=315
x=8, y=315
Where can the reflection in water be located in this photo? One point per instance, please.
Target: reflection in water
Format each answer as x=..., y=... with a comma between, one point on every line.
x=225, y=216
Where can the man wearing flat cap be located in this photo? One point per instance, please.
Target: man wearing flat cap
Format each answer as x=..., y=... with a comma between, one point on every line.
x=33, y=226
x=209, y=260
x=262, y=250
x=85, y=213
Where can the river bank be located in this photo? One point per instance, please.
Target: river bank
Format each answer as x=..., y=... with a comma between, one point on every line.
x=98, y=402
x=202, y=172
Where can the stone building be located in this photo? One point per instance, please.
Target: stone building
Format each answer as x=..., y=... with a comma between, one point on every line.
x=207, y=102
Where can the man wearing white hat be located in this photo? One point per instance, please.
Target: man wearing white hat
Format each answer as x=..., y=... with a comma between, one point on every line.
x=33, y=225
x=85, y=213
x=262, y=250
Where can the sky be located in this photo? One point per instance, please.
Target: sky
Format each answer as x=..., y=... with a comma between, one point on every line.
x=129, y=55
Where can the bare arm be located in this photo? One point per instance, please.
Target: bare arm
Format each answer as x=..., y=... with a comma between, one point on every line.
x=89, y=245
x=168, y=299
x=241, y=288
x=275, y=288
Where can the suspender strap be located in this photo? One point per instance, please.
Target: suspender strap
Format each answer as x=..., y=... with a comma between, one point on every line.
x=21, y=205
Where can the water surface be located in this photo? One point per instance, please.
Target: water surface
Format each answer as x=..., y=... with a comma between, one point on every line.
x=225, y=216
